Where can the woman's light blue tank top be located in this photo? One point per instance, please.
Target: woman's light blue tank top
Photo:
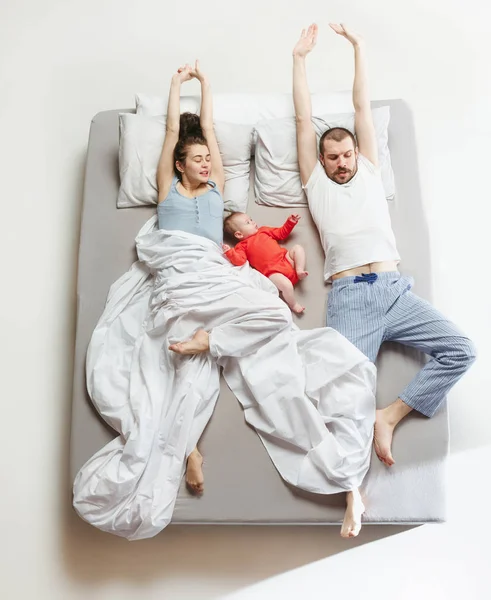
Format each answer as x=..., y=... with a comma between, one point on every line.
x=202, y=215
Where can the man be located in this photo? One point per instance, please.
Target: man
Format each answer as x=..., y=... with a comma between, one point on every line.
x=370, y=301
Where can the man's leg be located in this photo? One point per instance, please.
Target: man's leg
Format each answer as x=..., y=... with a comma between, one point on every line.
x=414, y=322
x=356, y=311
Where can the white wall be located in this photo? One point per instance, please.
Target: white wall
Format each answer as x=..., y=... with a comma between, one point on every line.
x=63, y=61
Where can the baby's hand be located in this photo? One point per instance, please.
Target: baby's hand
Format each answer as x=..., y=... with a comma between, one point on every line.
x=225, y=247
x=294, y=218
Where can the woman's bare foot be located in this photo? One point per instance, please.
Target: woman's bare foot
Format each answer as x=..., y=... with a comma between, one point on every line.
x=382, y=437
x=297, y=308
x=352, y=517
x=302, y=275
x=194, y=472
x=197, y=344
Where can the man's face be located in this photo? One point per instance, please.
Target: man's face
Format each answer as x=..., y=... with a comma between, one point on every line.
x=339, y=160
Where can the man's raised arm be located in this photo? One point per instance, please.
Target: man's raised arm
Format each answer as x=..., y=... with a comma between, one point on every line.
x=306, y=138
x=365, y=131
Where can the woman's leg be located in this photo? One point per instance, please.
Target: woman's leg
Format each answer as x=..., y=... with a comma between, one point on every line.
x=200, y=342
x=194, y=472
x=236, y=325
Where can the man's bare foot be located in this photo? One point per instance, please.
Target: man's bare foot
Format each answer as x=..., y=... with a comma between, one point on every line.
x=302, y=275
x=382, y=437
x=352, y=517
x=197, y=344
x=297, y=308
x=194, y=472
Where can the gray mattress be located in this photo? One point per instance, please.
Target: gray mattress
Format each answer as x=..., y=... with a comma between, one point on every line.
x=241, y=483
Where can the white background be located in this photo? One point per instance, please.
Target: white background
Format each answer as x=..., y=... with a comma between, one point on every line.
x=61, y=62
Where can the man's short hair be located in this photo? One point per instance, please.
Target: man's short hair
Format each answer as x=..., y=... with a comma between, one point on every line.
x=230, y=225
x=337, y=134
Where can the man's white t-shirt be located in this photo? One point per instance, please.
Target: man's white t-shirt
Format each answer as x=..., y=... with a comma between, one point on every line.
x=352, y=218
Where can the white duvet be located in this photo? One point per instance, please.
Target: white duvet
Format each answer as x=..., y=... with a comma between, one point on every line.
x=308, y=394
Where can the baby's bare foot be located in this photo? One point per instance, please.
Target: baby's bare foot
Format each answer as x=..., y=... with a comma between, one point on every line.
x=194, y=472
x=197, y=344
x=302, y=275
x=297, y=308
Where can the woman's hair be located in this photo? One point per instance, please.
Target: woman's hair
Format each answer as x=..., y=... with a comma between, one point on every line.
x=190, y=133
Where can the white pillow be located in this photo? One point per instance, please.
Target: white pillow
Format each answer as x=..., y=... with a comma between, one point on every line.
x=277, y=176
x=140, y=145
x=249, y=108
x=235, y=143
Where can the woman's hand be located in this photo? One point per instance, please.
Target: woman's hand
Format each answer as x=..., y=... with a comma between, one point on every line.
x=197, y=73
x=185, y=73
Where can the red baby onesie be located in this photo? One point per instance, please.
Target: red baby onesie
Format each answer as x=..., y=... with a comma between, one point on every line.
x=264, y=253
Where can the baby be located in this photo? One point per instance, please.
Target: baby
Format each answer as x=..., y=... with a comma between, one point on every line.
x=260, y=247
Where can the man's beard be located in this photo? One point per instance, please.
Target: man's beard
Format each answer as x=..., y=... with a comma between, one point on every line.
x=350, y=172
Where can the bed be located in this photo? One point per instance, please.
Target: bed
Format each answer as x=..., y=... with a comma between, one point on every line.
x=241, y=483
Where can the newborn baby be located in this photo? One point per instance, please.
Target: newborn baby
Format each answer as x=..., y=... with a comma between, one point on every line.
x=260, y=247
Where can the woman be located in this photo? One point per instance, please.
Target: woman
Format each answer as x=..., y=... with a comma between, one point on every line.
x=188, y=199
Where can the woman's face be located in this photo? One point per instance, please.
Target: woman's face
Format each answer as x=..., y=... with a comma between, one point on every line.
x=197, y=166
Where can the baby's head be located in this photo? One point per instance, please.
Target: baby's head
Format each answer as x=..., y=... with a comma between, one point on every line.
x=240, y=226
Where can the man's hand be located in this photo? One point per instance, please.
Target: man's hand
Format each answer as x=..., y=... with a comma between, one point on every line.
x=306, y=42
x=225, y=247
x=350, y=35
x=294, y=218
